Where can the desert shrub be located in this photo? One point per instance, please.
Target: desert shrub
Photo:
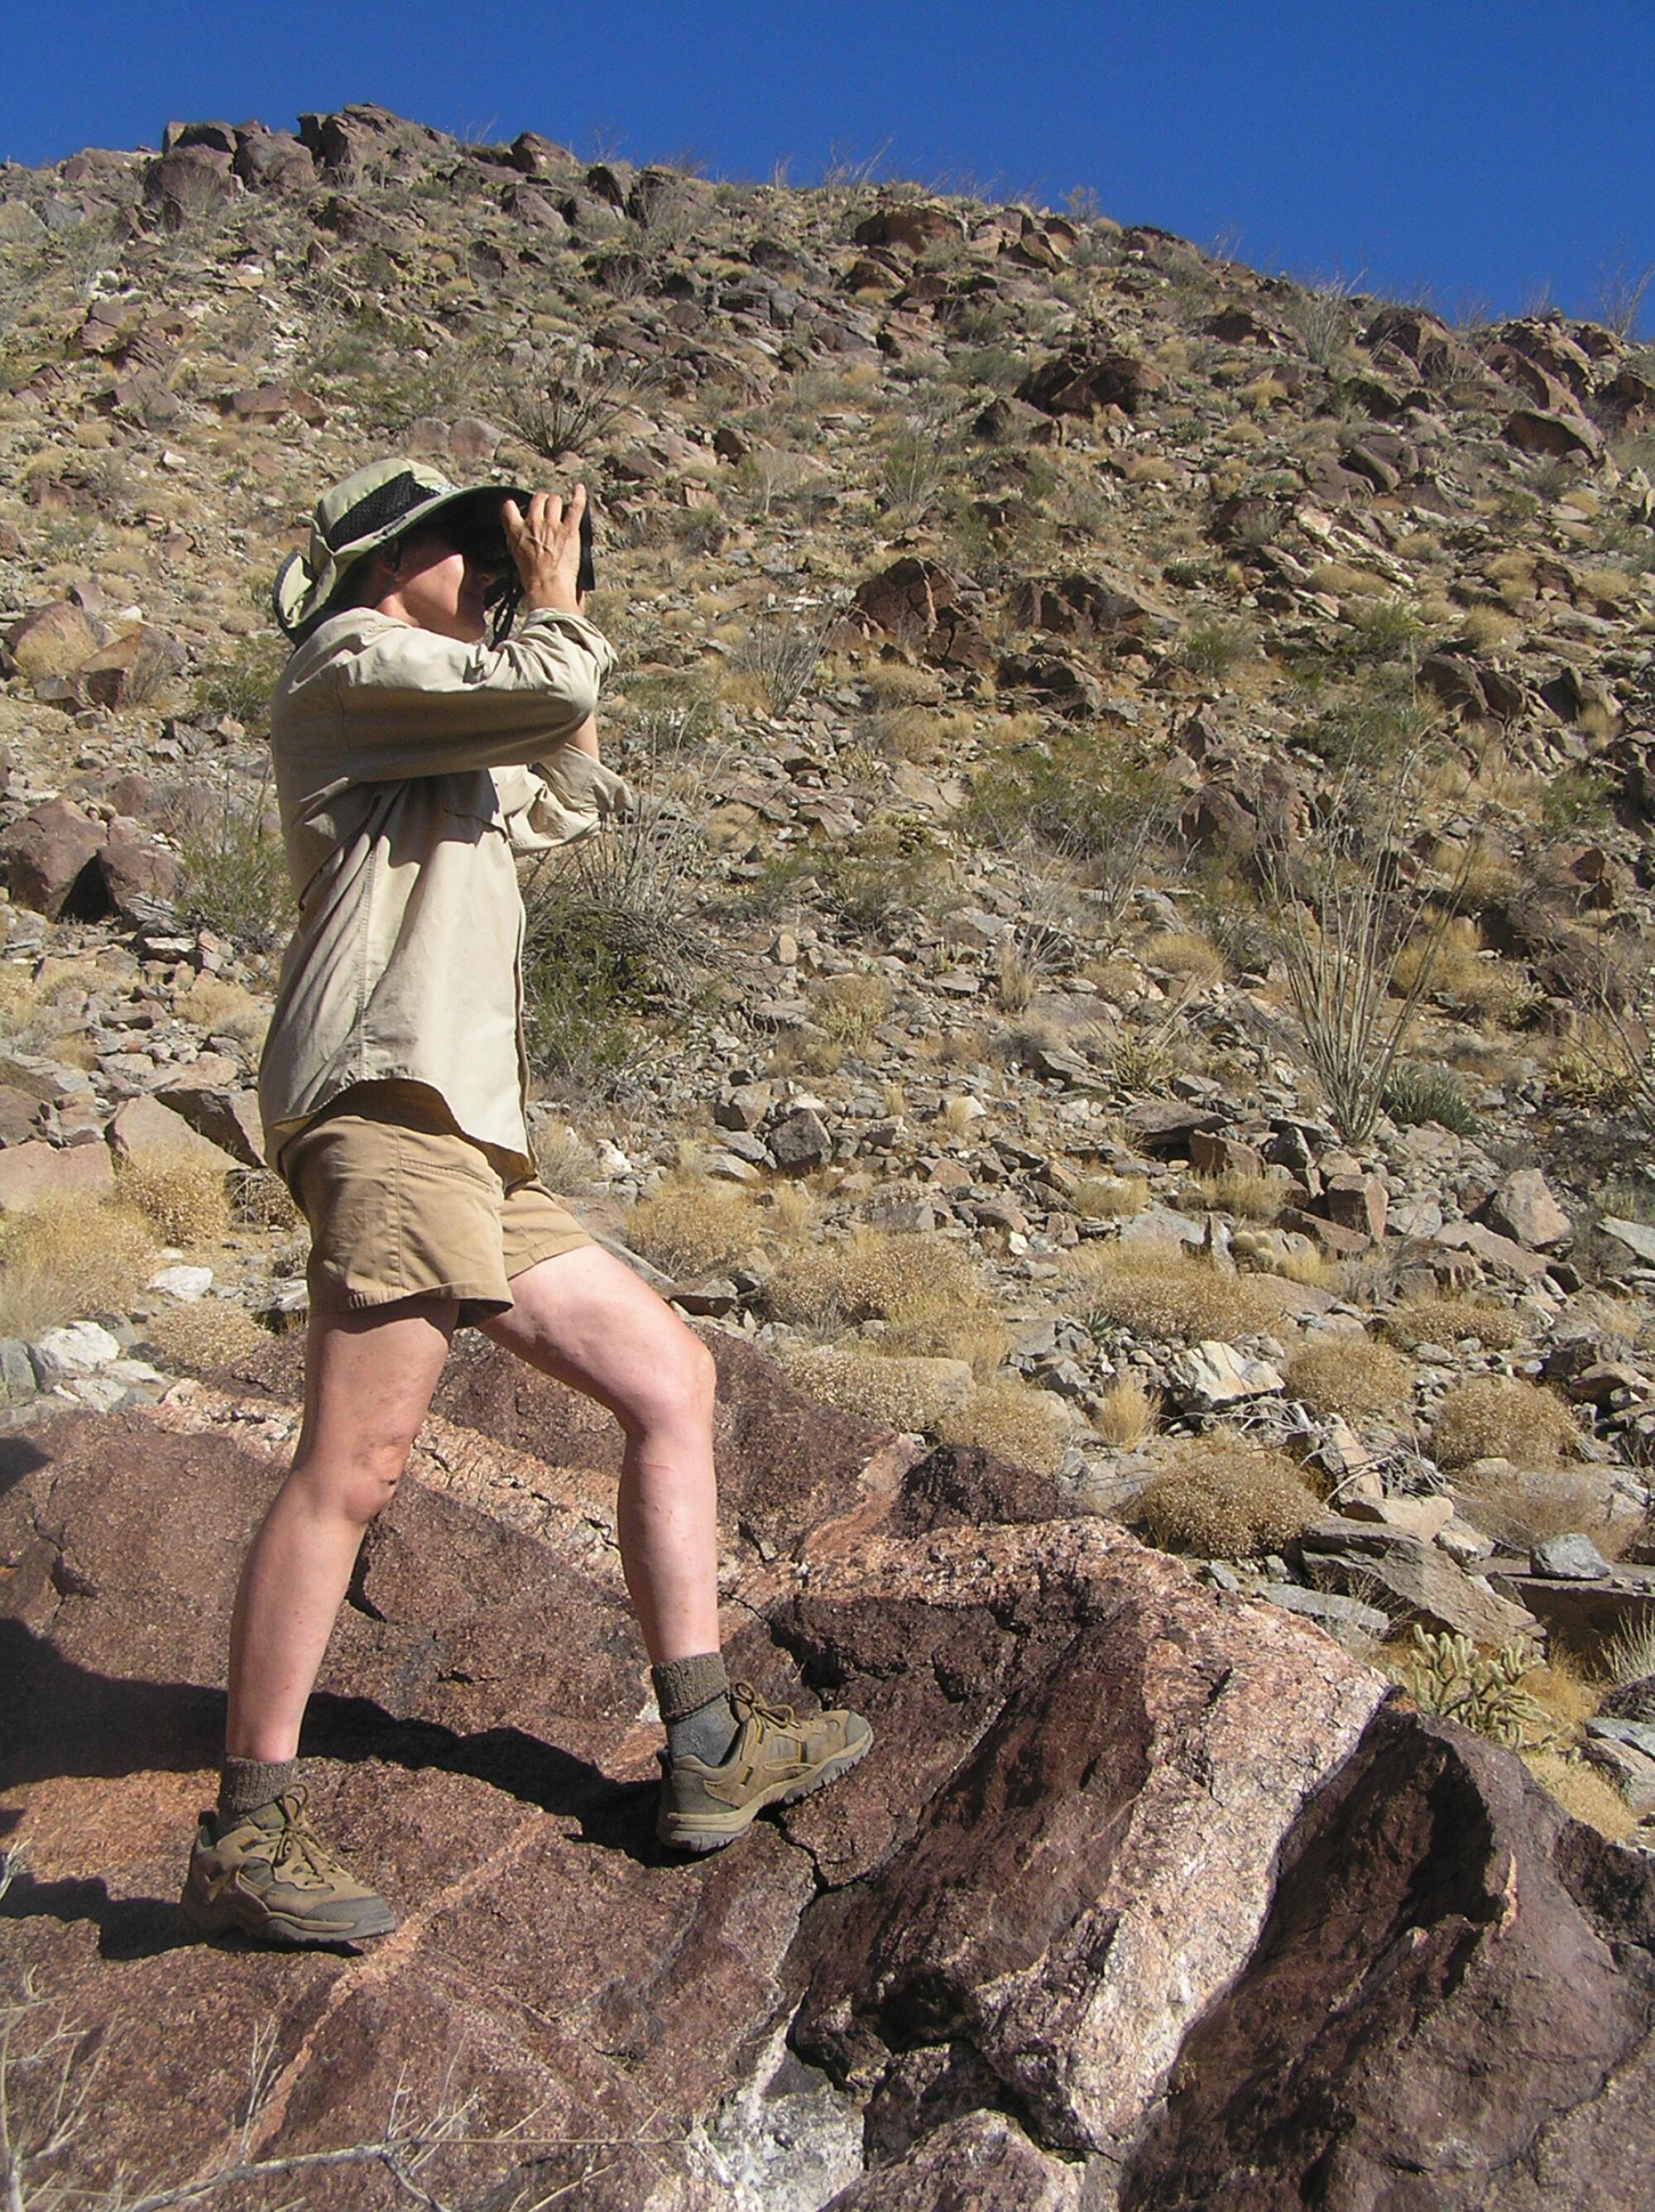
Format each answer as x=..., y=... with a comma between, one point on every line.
x=199, y=1338
x=1014, y=1421
x=1523, y=1508
x=1221, y=1497
x=692, y=1224
x=1356, y=1376
x=927, y=1292
x=877, y=884
x=1126, y=1413
x=1427, y=1319
x=67, y=1257
x=563, y=1160
x=239, y=684
x=1416, y=1094
x=260, y=1200
x=185, y=1199
x=583, y=395
x=1213, y=648
x=1583, y=1790
x=849, y=1008
x=1086, y=799
x=1497, y=1417
x=232, y=873
x=1346, y=914
x=1182, y=953
x=908, y=1393
x=608, y=937
x=1482, y=1690
x=781, y=656
x=1158, y=1291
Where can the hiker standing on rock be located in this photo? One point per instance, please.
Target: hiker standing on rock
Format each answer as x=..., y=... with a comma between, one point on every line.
x=418, y=743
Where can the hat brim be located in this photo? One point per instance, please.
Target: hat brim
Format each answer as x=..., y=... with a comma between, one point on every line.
x=299, y=596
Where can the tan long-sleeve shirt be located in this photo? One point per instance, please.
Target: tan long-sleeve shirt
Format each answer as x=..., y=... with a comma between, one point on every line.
x=408, y=770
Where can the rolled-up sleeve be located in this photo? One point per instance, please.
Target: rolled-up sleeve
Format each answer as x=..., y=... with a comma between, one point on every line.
x=416, y=704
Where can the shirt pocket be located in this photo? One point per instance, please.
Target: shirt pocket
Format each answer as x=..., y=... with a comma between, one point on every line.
x=471, y=794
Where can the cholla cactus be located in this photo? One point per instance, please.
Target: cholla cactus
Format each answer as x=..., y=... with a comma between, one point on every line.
x=1447, y=1675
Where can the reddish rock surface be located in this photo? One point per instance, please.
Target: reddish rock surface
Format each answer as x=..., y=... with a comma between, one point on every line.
x=1143, y=1896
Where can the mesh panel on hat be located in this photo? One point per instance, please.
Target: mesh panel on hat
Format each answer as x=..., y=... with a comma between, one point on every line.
x=384, y=504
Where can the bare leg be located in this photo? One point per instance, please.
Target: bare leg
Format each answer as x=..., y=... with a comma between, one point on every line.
x=585, y=1318
x=369, y=1379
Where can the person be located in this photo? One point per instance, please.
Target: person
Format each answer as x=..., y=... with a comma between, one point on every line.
x=420, y=739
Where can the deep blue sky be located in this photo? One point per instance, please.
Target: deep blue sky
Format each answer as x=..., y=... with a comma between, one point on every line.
x=1498, y=152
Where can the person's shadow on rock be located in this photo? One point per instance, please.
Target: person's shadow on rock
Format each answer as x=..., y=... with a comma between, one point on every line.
x=59, y=1718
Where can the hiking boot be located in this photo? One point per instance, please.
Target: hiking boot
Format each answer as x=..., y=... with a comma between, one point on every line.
x=777, y=1757
x=271, y=1876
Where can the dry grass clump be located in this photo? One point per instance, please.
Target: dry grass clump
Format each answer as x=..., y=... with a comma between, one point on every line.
x=926, y=1291
x=1158, y=1291
x=1427, y=1319
x=563, y=1160
x=1582, y=1790
x=224, y=1009
x=260, y=1200
x=906, y=1394
x=1247, y=1197
x=1525, y=1507
x=186, y=1199
x=1126, y=1413
x=20, y=999
x=1498, y=1417
x=1109, y=1197
x=67, y=1257
x=1014, y=1421
x=692, y=1225
x=1181, y=952
x=1454, y=963
x=199, y=1338
x=1222, y=1497
x=1352, y=1375
x=1629, y=1655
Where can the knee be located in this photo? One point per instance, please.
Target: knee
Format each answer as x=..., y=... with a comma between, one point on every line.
x=677, y=1386
x=359, y=1486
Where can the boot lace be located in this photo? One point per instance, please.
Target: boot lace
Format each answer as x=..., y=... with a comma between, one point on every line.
x=773, y=1719
x=299, y=1855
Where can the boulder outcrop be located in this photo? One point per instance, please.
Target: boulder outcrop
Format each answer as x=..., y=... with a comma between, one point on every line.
x=1147, y=1895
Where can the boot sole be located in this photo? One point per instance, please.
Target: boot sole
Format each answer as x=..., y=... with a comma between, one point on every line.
x=281, y=1930
x=701, y=1840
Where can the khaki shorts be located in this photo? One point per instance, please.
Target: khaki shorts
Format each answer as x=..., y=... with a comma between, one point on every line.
x=401, y=1205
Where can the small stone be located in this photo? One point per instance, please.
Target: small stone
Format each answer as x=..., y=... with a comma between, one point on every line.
x=186, y=1284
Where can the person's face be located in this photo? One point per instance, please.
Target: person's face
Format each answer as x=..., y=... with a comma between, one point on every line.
x=438, y=588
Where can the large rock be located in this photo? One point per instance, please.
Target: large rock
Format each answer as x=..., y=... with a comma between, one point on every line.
x=43, y=854
x=1145, y=1894
x=146, y=1134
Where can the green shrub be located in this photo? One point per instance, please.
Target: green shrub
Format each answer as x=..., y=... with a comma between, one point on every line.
x=232, y=874
x=1416, y=1094
x=240, y=683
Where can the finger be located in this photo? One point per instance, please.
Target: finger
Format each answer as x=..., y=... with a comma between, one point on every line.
x=512, y=521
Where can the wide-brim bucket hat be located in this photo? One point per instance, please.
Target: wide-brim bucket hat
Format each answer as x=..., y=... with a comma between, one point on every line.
x=384, y=500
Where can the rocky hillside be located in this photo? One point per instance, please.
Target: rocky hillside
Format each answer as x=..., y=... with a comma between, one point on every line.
x=1132, y=950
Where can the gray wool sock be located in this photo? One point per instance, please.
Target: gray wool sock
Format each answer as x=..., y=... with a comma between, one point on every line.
x=245, y=1785
x=694, y=1698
